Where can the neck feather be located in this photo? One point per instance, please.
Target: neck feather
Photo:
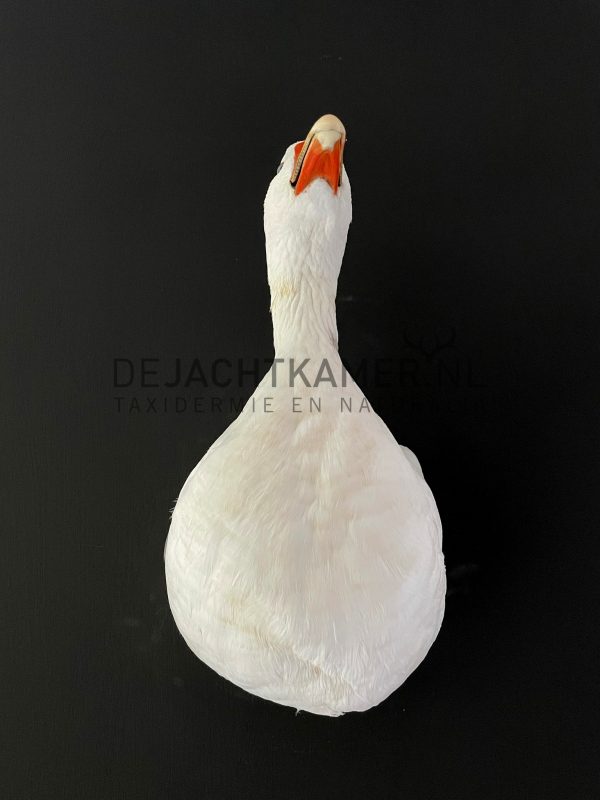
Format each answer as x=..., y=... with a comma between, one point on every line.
x=304, y=321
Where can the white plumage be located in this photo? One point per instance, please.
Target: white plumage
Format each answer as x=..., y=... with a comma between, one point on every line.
x=304, y=558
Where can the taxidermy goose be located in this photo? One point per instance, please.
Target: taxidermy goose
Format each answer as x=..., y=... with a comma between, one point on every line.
x=304, y=558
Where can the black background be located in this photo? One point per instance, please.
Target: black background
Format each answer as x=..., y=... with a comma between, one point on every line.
x=138, y=142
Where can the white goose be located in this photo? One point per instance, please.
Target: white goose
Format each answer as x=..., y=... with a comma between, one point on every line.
x=304, y=559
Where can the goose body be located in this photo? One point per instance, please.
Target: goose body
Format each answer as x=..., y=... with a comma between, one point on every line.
x=304, y=559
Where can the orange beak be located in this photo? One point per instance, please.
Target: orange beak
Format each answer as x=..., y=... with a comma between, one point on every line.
x=320, y=155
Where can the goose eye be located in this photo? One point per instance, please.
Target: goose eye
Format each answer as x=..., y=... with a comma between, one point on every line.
x=279, y=168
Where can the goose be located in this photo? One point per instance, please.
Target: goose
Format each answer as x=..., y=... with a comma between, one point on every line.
x=304, y=556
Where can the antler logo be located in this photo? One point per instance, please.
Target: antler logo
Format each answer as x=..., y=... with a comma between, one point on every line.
x=430, y=347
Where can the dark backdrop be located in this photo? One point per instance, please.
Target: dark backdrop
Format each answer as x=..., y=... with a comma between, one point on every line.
x=138, y=142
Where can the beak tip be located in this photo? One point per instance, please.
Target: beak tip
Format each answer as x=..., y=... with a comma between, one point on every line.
x=329, y=122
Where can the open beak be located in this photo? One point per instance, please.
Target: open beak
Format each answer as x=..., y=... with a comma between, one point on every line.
x=320, y=155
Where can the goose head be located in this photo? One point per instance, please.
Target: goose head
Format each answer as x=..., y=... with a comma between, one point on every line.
x=307, y=212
